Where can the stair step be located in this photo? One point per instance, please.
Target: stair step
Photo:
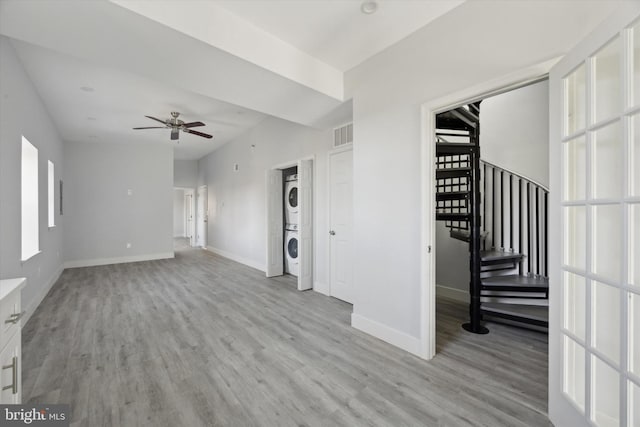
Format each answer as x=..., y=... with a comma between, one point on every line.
x=452, y=195
x=500, y=258
x=513, y=294
x=517, y=283
x=453, y=216
x=453, y=148
x=532, y=315
x=465, y=235
x=542, y=301
x=453, y=173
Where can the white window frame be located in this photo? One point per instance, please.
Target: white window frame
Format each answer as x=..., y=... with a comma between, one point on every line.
x=51, y=194
x=30, y=214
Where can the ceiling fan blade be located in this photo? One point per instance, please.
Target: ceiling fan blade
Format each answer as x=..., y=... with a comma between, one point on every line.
x=157, y=120
x=193, y=124
x=204, y=135
x=174, y=134
x=151, y=127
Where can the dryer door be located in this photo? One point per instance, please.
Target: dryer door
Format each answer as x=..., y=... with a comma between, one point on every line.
x=292, y=196
x=292, y=248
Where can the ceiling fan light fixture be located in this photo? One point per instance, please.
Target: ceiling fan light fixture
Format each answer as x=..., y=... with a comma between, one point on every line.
x=369, y=7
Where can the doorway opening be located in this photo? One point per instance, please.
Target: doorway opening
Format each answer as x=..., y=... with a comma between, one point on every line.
x=183, y=218
x=289, y=194
x=492, y=174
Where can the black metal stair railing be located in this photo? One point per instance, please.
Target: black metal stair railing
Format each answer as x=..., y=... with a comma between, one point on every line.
x=517, y=207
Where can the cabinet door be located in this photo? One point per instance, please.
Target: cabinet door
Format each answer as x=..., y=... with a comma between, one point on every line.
x=11, y=366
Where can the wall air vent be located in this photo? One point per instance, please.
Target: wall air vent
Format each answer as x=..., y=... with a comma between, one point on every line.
x=343, y=135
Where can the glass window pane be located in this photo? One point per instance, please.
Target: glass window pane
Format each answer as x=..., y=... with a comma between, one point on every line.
x=634, y=334
x=634, y=405
x=634, y=244
x=634, y=157
x=575, y=236
x=607, y=241
x=608, y=162
x=608, y=94
x=573, y=368
x=575, y=304
x=605, y=390
x=636, y=63
x=576, y=101
x=575, y=169
x=605, y=315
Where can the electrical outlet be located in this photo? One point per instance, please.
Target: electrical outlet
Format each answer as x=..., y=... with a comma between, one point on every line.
x=128, y=245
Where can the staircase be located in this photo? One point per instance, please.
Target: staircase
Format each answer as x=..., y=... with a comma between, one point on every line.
x=502, y=216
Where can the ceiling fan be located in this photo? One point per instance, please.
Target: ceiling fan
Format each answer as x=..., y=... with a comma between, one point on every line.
x=176, y=125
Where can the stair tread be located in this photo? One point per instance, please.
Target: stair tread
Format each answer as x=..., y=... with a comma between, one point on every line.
x=453, y=171
x=499, y=255
x=452, y=195
x=445, y=148
x=516, y=280
x=540, y=300
x=442, y=216
x=526, y=311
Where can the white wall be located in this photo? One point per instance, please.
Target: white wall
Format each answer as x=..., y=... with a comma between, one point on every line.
x=185, y=173
x=23, y=113
x=474, y=43
x=237, y=203
x=102, y=218
x=514, y=131
x=178, y=213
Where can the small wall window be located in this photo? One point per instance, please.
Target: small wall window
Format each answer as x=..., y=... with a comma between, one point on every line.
x=51, y=184
x=29, y=202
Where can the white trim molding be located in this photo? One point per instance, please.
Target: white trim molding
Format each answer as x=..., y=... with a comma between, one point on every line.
x=387, y=334
x=452, y=293
x=429, y=109
x=236, y=258
x=117, y=260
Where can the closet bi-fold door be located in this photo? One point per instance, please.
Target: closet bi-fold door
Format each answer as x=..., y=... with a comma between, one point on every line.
x=305, y=233
x=594, y=335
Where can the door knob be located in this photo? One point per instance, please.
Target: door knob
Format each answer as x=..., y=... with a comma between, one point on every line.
x=331, y=232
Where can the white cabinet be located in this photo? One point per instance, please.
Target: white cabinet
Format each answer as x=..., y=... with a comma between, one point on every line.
x=10, y=378
x=10, y=341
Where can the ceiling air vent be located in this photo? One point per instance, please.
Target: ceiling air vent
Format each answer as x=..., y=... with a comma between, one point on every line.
x=343, y=135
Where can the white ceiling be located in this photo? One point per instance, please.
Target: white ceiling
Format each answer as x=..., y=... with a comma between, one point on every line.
x=120, y=100
x=283, y=58
x=337, y=32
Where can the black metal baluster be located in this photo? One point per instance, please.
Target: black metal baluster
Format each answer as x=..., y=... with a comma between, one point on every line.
x=501, y=210
x=520, y=224
x=544, y=237
x=484, y=205
x=493, y=208
x=537, y=231
x=511, y=212
x=528, y=229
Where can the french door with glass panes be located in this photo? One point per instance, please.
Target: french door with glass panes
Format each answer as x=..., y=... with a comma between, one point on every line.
x=594, y=341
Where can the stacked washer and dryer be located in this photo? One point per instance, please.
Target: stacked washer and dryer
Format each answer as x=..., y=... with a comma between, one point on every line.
x=291, y=216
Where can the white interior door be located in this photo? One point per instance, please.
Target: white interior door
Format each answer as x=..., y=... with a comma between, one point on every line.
x=202, y=217
x=305, y=233
x=340, y=224
x=594, y=335
x=275, y=237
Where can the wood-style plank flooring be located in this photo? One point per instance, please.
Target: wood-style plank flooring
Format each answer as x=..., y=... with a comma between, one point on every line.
x=203, y=341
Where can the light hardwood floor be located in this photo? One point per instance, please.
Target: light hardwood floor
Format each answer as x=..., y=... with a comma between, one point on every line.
x=203, y=341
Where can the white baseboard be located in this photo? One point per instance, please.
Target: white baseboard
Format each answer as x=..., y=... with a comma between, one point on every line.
x=321, y=288
x=44, y=290
x=387, y=334
x=236, y=258
x=452, y=293
x=117, y=260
